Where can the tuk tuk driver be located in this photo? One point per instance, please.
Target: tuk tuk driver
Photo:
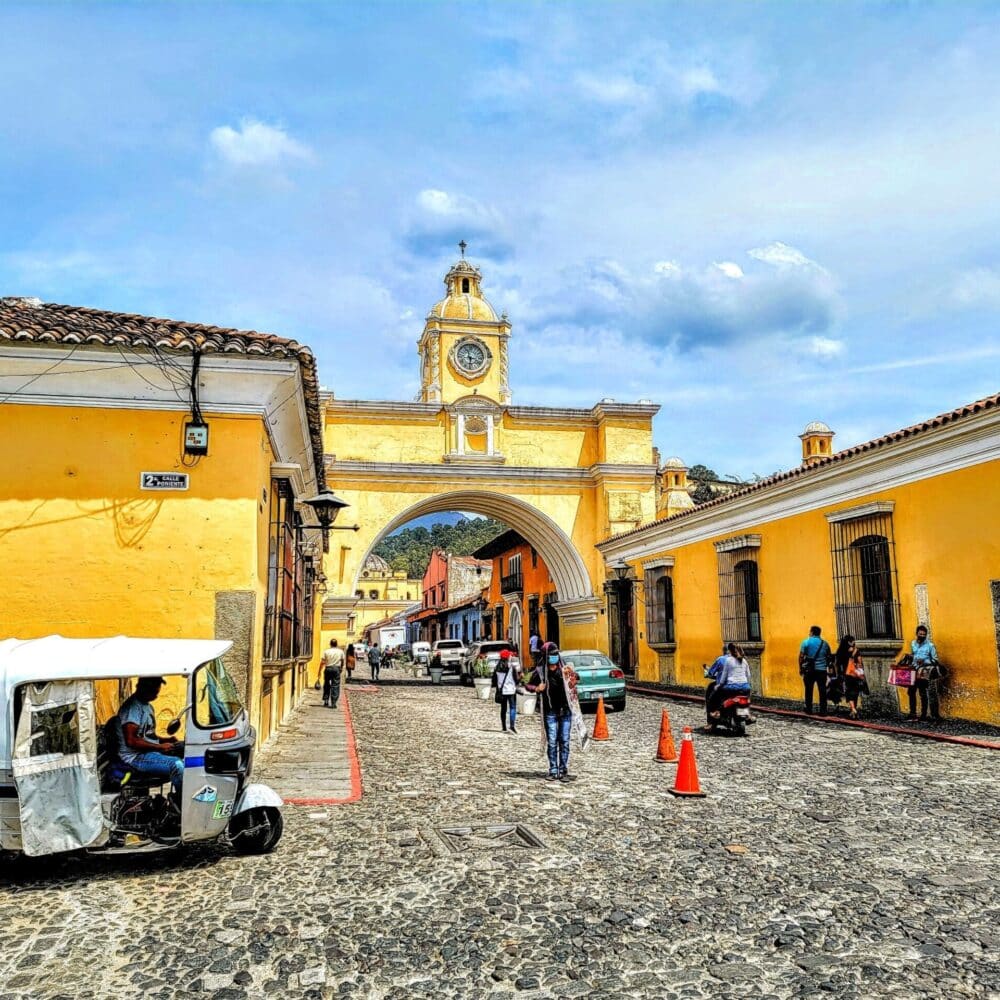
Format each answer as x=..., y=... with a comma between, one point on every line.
x=141, y=749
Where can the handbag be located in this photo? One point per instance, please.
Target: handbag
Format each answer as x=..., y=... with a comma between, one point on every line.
x=903, y=677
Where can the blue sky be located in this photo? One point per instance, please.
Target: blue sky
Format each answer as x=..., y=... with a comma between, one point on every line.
x=754, y=214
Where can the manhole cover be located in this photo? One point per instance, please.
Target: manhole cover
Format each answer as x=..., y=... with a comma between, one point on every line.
x=459, y=839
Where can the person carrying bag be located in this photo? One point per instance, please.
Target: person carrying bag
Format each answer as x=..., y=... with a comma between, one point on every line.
x=506, y=679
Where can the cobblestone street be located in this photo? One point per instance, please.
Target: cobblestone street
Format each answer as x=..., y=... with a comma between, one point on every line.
x=823, y=861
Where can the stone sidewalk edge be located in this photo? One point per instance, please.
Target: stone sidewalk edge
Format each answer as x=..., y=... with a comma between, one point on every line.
x=879, y=727
x=357, y=789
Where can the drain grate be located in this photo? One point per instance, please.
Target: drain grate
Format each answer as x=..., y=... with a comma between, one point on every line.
x=487, y=836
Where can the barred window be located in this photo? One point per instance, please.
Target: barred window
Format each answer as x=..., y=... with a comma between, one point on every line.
x=865, y=583
x=739, y=589
x=659, y=588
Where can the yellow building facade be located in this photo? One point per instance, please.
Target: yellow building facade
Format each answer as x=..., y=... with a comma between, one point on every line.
x=382, y=592
x=563, y=478
x=871, y=541
x=108, y=526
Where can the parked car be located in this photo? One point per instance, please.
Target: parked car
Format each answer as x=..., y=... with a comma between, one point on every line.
x=422, y=653
x=599, y=677
x=490, y=648
x=452, y=653
x=361, y=650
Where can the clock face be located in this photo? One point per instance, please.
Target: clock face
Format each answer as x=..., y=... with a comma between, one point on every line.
x=470, y=357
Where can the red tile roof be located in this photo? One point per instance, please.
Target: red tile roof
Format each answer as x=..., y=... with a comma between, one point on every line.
x=987, y=403
x=25, y=320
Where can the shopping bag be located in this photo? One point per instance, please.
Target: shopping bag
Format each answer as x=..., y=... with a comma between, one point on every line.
x=902, y=677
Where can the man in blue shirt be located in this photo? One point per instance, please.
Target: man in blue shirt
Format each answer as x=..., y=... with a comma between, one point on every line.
x=141, y=750
x=815, y=658
x=925, y=664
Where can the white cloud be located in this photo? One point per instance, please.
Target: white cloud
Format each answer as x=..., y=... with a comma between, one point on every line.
x=978, y=287
x=729, y=269
x=699, y=80
x=667, y=267
x=824, y=348
x=612, y=90
x=781, y=255
x=256, y=144
x=442, y=218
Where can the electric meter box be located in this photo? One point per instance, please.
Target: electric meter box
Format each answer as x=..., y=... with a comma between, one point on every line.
x=195, y=439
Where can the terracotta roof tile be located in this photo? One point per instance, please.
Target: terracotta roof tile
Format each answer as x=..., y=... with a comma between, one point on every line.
x=987, y=403
x=25, y=320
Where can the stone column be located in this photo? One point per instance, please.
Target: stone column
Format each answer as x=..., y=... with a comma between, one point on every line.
x=460, y=446
x=489, y=433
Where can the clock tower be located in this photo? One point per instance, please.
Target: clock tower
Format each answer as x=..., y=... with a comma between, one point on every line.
x=463, y=349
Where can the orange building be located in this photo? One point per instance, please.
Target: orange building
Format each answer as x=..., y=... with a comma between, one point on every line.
x=521, y=596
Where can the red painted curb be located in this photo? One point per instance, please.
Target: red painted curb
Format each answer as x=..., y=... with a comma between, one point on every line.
x=877, y=727
x=352, y=755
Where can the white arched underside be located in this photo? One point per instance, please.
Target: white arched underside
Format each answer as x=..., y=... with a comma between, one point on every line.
x=550, y=541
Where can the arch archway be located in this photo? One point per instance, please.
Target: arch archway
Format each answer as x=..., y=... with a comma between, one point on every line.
x=567, y=568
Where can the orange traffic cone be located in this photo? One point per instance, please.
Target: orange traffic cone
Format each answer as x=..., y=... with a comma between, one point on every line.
x=601, y=723
x=666, y=752
x=686, y=783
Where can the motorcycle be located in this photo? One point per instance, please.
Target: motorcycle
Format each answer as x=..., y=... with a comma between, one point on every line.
x=734, y=712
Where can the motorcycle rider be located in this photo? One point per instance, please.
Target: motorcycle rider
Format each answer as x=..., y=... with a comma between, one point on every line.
x=733, y=678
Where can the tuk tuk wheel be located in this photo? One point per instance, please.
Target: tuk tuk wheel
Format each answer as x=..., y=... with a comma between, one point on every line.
x=256, y=831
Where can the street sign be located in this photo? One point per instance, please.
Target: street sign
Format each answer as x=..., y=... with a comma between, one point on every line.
x=163, y=481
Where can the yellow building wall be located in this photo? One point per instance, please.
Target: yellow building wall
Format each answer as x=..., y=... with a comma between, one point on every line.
x=86, y=553
x=379, y=440
x=623, y=440
x=946, y=537
x=527, y=444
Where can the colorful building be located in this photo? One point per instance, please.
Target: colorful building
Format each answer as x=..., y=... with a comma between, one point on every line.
x=872, y=541
x=521, y=596
x=382, y=593
x=154, y=473
x=562, y=477
x=450, y=587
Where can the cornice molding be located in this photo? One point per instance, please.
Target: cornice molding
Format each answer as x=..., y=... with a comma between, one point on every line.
x=460, y=468
x=582, y=611
x=972, y=441
x=865, y=510
x=738, y=542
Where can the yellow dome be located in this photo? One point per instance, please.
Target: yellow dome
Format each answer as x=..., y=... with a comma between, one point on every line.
x=464, y=307
x=465, y=296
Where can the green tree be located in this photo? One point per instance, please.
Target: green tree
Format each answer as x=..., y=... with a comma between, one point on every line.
x=411, y=548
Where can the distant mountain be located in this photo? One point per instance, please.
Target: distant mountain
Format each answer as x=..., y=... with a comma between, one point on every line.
x=429, y=520
x=410, y=547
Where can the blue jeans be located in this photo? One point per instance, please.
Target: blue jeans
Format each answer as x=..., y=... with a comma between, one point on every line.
x=557, y=730
x=508, y=706
x=159, y=765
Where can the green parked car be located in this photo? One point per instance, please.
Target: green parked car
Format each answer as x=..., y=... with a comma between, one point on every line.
x=599, y=677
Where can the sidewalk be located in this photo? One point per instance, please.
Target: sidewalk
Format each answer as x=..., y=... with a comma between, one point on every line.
x=313, y=759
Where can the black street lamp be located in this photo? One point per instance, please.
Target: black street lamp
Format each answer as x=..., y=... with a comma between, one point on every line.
x=326, y=507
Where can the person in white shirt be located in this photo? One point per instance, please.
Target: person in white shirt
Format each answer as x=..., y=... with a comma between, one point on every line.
x=333, y=662
x=508, y=676
x=734, y=678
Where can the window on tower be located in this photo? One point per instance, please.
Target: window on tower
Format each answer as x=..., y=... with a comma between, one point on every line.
x=465, y=286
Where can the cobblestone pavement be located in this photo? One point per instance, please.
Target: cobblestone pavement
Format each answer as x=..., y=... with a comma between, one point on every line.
x=823, y=862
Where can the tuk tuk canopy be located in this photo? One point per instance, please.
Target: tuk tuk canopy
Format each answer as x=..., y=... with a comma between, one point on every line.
x=26, y=661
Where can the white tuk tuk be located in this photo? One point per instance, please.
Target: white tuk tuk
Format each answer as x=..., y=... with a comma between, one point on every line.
x=65, y=786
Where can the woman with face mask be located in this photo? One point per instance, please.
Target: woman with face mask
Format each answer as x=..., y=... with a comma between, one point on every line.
x=556, y=683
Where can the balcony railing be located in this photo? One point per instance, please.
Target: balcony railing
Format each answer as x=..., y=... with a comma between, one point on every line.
x=513, y=583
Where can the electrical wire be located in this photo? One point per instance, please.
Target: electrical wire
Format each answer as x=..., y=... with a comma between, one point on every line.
x=35, y=378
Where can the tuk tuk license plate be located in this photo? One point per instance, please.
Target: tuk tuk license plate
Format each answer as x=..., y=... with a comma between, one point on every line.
x=743, y=713
x=223, y=809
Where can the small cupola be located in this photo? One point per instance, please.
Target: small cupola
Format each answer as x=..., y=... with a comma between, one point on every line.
x=817, y=443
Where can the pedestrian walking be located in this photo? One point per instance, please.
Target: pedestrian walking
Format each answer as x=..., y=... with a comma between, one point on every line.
x=851, y=669
x=927, y=673
x=556, y=683
x=815, y=663
x=507, y=676
x=374, y=660
x=333, y=663
x=350, y=660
